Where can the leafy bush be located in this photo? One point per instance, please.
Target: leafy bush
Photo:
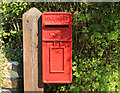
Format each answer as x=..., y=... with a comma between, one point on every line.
x=12, y=29
x=96, y=50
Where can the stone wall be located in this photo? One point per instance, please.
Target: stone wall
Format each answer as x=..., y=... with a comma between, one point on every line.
x=11, y=77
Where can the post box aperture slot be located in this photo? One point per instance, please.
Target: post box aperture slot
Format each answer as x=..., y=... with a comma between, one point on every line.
x=56, y=26
x=56, y=59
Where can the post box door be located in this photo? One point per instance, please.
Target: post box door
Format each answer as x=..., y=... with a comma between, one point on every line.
x=57, y=62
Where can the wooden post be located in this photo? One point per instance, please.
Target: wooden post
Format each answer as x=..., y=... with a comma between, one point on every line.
x=30, y=50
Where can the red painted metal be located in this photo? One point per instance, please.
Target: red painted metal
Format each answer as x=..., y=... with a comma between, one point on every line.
x=57, y=47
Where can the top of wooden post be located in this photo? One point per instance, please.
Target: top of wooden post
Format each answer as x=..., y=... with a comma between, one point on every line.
x=33, y=12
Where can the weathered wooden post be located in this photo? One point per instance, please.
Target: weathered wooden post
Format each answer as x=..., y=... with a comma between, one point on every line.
x=30, y=50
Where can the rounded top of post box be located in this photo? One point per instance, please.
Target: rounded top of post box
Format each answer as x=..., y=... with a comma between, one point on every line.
x=69, y=13
x=56, y=18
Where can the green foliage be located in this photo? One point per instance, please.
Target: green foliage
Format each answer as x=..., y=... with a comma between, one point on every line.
x=2, y=66
x=12, y=29
x=96, y=46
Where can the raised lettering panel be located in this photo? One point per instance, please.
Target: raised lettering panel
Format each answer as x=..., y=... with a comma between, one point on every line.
x=57, y=18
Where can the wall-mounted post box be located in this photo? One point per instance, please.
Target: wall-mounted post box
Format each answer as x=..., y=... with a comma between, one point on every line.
x=57, y=47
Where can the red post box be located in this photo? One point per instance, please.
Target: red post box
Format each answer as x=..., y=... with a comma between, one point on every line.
x=57, y=47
